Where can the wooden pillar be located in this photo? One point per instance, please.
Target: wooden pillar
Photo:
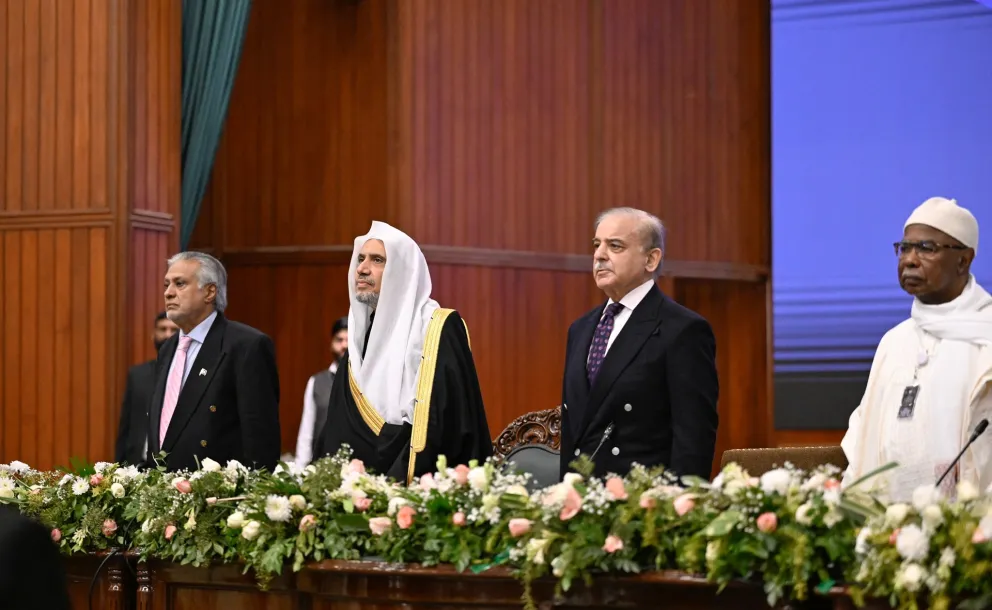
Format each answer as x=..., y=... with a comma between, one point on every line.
x=89, y=193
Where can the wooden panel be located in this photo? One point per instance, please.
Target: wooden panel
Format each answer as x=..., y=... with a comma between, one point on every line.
x=493, y=132
x=807, y=438
x=68, y=122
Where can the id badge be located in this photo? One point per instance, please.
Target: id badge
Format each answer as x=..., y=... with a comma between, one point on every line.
x=908, y=404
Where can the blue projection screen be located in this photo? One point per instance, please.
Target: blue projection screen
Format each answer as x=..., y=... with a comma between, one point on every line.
x=877, y=106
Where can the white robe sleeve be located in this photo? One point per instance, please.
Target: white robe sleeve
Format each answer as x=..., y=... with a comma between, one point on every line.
x=304, y=439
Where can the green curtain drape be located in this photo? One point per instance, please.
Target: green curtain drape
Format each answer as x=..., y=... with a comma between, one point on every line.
x=213, y=34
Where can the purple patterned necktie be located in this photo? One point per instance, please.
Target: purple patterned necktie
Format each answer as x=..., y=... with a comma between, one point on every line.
x=597, y=351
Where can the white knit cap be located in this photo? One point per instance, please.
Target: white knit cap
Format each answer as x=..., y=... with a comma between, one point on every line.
x=947, y=216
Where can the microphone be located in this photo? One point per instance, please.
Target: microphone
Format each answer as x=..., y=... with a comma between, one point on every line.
x=979, y=429
x=606, y=435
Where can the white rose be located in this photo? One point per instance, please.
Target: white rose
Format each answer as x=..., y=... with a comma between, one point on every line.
x=478, y=478
x=933, y=516
x=208, y=465
x=6, y=488
x=250, y=531
x=99, y=467
x=776, y=481
x=910, y=577
x=297, y=501
x=117, y=490
x=571, y=478
x=967, y=491
x=912, y=543
x=236, y=520
x=815, y=482
x=896, y=514
x=18, y=467
x=924, y=496
x=803, y=515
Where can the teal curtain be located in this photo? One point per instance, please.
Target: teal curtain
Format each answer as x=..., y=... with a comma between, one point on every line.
x=213, y=34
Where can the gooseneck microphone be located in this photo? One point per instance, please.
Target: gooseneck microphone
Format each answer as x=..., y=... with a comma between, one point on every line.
x=979, y=429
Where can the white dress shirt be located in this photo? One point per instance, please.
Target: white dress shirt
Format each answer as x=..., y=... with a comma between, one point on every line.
x=304, y=439
x=630, y=301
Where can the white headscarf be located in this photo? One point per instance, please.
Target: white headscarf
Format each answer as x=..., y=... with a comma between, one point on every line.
x=387, y=375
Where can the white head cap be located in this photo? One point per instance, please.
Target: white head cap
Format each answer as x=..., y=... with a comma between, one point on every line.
x=947, y=216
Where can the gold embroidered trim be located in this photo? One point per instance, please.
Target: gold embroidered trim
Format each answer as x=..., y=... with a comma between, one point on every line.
x=425, y=386
x=371, y=417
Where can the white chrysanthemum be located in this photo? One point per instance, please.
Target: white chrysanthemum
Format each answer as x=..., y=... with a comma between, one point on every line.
x=478, y=478
x=909, y=577
x=924, y=496
x=18, y=467
x=209, y=465
x=80, y=486
x=101, y=467
x=776, y=481
x=913, y=543
x=6, y=487
x=277, y=508
x=123, y=475
x=896, y=514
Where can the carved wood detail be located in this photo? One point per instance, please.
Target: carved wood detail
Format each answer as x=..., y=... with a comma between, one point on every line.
x=534, y=428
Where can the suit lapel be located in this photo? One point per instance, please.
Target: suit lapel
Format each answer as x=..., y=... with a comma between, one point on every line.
x=201, y=373
x=576, y=375
x=158, y=394
x=641, y=324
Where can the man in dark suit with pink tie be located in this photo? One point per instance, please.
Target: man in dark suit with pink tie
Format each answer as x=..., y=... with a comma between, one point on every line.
x=640, y=383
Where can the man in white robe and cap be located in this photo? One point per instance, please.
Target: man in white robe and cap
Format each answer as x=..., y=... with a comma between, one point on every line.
x=410, y=392
x=931, y=379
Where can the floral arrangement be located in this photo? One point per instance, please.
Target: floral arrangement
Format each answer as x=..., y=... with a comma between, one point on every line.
x=797, y=534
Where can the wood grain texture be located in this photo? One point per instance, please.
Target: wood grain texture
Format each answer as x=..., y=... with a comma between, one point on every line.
x=493, y=132
x=75, y=206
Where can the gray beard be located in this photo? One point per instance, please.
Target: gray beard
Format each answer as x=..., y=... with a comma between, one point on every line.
x=368, y=298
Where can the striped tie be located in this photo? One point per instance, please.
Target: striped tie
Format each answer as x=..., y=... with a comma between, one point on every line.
x=172, y=387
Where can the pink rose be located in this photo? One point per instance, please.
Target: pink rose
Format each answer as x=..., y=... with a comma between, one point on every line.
x=647, y=502
x=831, y=484
x=767, y=522
x=96, y=479
x=519, y=527
x=109, y=527
x=380, y=525
x=427, y=482
x=404, y=516
x=977, y=538
x=356, y=466
x=362, y=504
x=461, y=474
x=684, y=504
x=56, y=535
x=211, y=501
x=612, y=544
x=614, y=485
x=170, y=531
x=458, y=519
x=307, y=523
x=571, y=506
x=182, y=485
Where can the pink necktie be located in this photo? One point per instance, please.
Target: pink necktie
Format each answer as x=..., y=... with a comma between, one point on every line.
x=173, y=387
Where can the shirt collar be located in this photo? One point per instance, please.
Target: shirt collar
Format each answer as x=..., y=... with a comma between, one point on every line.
x=633, y=298
x=199, y=334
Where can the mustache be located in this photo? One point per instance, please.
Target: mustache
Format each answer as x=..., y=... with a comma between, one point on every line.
x=601, y=266
x=367, y=279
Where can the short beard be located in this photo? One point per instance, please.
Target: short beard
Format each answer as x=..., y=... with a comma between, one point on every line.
x=368, y=298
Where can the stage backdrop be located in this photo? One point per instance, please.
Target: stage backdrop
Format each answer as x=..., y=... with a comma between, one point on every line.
x=878, y=106
x=493, y=132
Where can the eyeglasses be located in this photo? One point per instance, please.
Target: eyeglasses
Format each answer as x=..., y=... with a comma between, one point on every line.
x=926, y=249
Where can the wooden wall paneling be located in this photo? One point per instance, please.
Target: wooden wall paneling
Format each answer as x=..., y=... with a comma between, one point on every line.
x=68, y=123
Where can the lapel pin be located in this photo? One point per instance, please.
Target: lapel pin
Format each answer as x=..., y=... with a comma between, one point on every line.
x=203, y=372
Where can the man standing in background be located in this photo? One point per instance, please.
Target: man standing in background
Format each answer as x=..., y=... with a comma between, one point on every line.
x=640, y=382
x=318, y=395
x=217, y=386
x=132, y=430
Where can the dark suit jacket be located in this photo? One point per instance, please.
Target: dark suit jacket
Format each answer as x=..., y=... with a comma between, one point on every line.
x=132, y=431
x=228, y=407
x=657, y=385
x=31, y=573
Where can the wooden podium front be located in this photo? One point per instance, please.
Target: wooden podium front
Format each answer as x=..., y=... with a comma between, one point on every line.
x=369, y=585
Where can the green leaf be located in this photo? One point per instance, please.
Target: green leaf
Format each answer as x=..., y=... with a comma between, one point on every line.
x=723, y=524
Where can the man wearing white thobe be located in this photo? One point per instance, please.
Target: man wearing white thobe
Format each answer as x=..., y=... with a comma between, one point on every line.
x=931, y=379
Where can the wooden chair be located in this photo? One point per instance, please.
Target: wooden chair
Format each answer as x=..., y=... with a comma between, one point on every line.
x=532, y=443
